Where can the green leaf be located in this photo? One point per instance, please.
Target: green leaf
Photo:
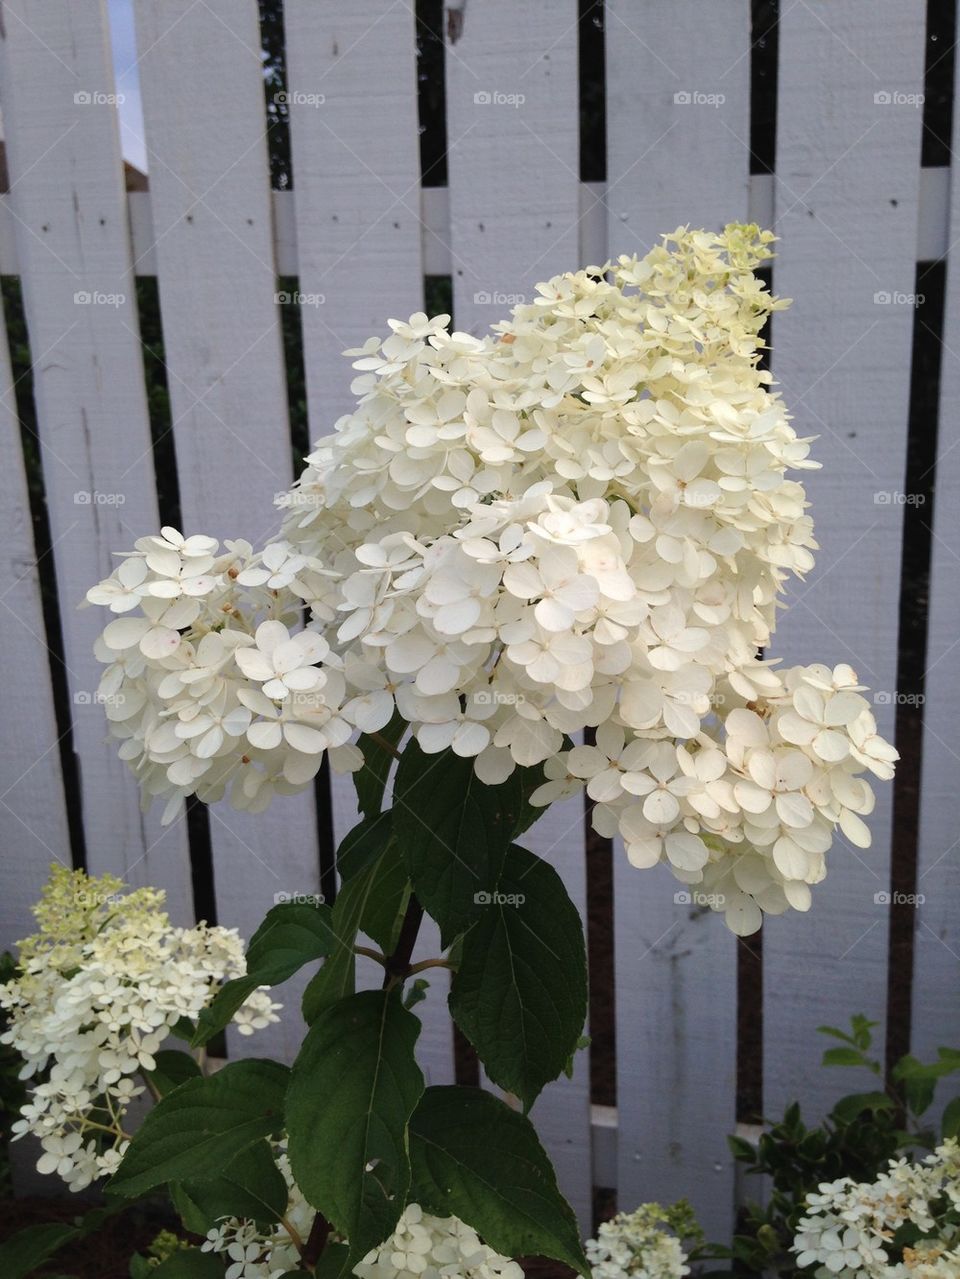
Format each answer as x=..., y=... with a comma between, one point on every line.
x=362, y=845
x=173, y=1068
x=292, y=934
x=199, y=1128
x=951, y=1119
x=453, y=833
x=520, y=992
x=844, y=1057
x=849, y=1108
x=474, y=1157
x=29, y=1248
x=353, y=1088
x=355, y=903
x=387, y=899
x=251, y=1186
x=370, y=781
x=190, y=1263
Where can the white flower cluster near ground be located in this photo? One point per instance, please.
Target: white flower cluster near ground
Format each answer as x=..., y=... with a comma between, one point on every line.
x=421, y=1247
x=849, y=1229
x=101, y=985
x=638, y=1245
x=581, y=521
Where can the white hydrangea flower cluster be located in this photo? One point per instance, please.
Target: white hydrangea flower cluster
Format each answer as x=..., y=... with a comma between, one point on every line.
x=100, y=986
x=584, y=520
x=421, y=1247
x=642, y=1244
x=848, y=1232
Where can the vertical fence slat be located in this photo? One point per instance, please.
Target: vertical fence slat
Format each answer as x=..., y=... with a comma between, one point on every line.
x=936, y=1011
x=675, y=963
x=846, y=195
x=205, y=126
x=351, y=75
x=67, y=200
x=514, y=213
x=33, y=816
x=513, y=155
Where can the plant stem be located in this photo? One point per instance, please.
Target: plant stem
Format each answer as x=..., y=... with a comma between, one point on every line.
x=398, y=964
x=370, y=954
x=428, y=963
x=387, y=746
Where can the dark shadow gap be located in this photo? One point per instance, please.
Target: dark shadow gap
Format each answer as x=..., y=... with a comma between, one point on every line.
x=600, y=957
x=431, y=93
x=750, y=1029
x=938, y=83
x=592, y=72
x=918, y=513
x=764, y=58
x=22, y=373
x=274, y=52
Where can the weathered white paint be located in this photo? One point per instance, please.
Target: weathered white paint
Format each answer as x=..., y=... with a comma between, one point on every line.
x=936, y=1013
x=513, y=159
x=69, y=213
x=210, y=200
x=33, y=818
x=846, y=209
x=351, y=79
x=675, y=963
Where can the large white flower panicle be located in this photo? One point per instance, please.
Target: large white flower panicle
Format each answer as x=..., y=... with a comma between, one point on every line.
x=100, y=987
x=584, y=520
x=856, y=1230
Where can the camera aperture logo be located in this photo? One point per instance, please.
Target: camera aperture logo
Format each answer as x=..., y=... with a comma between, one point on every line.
x=496, y=898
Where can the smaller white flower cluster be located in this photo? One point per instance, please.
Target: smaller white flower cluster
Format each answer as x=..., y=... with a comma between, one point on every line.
x=421, y=1247
x=849, y=1229
x=644, y=1244
x=100, y=987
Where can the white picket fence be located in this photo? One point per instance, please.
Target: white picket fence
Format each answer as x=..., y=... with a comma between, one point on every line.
x=855, y=213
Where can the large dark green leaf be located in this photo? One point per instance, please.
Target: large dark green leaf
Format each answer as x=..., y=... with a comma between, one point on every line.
x=362, y=845
x=453, y=832
x=292, y=934
x=251, y=1186
x=474, y=1157
x=353, y=1088
x=201, y=1127
x=172, y=1069
x=24, y=1251
x=520, y=991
